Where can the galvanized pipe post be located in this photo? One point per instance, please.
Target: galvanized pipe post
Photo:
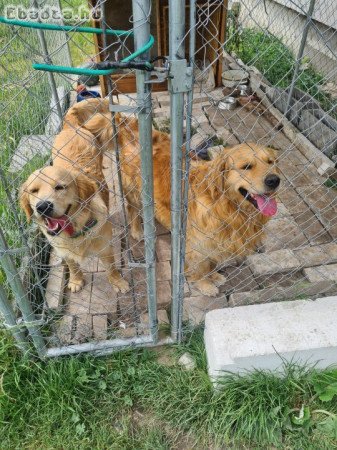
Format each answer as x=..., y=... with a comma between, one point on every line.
x=50, y=75
x=10, y=322
x=21, y=296
x=177, y=52
x=300, y=55
x=141, y=26
x=186, y=164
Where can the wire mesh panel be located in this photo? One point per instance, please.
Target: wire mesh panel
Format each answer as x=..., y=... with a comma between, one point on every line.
x=261, y=214
x=75, y=257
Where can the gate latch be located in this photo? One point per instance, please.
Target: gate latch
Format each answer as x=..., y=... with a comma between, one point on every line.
x=180, y=76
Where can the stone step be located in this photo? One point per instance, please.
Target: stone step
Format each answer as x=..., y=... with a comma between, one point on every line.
x=263, y=336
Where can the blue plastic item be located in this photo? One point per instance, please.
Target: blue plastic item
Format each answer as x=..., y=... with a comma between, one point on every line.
x=87, y=94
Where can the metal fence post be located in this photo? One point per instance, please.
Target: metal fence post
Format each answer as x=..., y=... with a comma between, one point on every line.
x=300, y=55
x=51, y=77
x=10, y=321
x=177, y=52
x=21, y=296
x=141, y=25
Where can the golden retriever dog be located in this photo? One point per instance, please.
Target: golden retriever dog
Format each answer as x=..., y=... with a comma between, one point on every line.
x=231, y=198
x=69, y=201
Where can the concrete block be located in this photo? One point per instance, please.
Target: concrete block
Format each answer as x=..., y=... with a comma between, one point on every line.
x=273, y=262
x=83, y=330
x=30, y=146
x=317, y=255
x=261, y=336
x=79, y=302
x=163, y=271
x=195, y=308
x=65, y=328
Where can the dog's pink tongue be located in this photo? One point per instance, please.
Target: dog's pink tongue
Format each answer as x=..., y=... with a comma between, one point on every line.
x=54, y=223
x=267, y=205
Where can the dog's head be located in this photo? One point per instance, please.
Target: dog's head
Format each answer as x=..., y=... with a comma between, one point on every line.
x=250, y=177
x=52, y=195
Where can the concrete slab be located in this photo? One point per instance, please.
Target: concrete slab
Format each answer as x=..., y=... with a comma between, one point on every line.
x=261, y=336
x=30, y=146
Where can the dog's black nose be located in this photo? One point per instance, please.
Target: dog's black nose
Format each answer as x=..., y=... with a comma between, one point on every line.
x=44, y=208
x=272, y=181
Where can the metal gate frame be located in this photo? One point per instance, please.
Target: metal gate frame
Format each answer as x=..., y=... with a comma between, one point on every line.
x=180, y=83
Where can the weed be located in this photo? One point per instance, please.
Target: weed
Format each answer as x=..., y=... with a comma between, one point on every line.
x=128, y=401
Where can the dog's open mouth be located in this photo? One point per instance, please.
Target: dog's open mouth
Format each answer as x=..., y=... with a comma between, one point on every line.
x=55, y=225
x=264, y=203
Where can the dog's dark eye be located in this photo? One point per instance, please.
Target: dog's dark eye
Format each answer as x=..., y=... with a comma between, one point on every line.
x=59, y=187
x=247, y=167
x=34, y=191
x=270, y=161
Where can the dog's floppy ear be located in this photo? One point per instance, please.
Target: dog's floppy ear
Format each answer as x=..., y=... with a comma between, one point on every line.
x=24, y=201
x=217, y=181
x=86, y=188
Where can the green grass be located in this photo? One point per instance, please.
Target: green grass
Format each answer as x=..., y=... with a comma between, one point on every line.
x=130, y=401
x=276, y=62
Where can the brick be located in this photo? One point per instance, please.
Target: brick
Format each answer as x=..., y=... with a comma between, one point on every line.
x=311, y=227
x=163, y=248
x=239, y=279
x=163, y=294
x=79, y=302
x=103, y=296
x=100, y=327
x=317, y=255
x=83, y=329
x=195, y=308
x=283, y=233
x=274, y=262
x=56, y=283
x=291, y=199
x=163, y=271
x=65, y=328
x=321, y=273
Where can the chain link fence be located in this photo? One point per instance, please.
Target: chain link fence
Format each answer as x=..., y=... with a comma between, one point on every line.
x=244, y=144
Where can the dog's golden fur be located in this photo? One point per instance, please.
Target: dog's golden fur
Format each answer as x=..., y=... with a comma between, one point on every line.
x=221, y=223
x=76, y=187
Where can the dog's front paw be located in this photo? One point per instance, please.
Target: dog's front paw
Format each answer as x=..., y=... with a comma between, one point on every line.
x=119, y=284
x=75, y=285
x=206, y=287
x=218, y=279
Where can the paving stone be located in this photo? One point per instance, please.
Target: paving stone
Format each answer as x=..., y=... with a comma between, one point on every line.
x=278, y=292
x=273, y=262
x=83, y=329
x=30, y=146
x=56, y=282
x=239, y=279
x=163, y=248
x=321, y=273
x=163, y=271
x=163, y=294
x=160, y=229
x=317, y=255
x=264, y=336
x=280, y=279
x=311, y=227
x=291, y=199
x=162, y=318
x=65, y=328
x=195, y=308
x=79, y=302
x=283, y=233
x=100, y=327
x=319, y=198
x=103, y=296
